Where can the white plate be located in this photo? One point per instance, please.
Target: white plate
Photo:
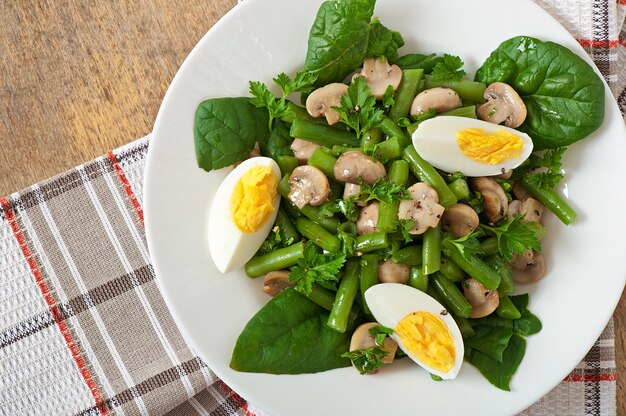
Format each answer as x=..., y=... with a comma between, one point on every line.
x=261, y=38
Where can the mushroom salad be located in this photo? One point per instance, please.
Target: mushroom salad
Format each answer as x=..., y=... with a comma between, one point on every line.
x=394, y=210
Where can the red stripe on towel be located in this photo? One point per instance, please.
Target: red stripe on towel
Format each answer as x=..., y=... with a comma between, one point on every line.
x=126, y=184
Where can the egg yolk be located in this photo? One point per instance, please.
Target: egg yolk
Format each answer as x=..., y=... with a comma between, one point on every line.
x=490, y=148
x=252, y=200
x=428, y=339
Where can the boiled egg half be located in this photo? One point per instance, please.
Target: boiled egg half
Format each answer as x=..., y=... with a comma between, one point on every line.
x=243, y=212
x=470, y=146
x=422, y=327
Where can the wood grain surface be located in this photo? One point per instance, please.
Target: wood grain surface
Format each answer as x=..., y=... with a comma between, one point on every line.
x=78, y=78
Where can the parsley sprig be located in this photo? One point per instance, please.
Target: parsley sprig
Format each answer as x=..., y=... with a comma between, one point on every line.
x=366, y=360
x=358, y=107
x=277, y=108
x=552, y=175
x=448, y=69
x=515, y=236
x=379, y=333
x=382, y=190
x=315, y=267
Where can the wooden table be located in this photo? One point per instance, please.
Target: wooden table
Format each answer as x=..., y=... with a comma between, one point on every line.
x=79, y=79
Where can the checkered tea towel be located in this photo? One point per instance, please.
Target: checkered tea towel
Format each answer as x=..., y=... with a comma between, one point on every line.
x=85, y=331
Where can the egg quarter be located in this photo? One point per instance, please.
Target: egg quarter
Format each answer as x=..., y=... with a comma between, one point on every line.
x=234, y=241
x=391, y=303
x=471, y=146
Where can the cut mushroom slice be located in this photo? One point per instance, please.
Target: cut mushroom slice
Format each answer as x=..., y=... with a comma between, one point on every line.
x=321, y=101
x=352, y=189
x=530, y=209
x=392, y=272
x=423, y=208
x=368, y=218
x=519, y=191
x=495, y=201
x=353, y=165
x=379, y=75
x=503, y=105
x=309, y=185
x=362, y=339
x=303, y=149
x=528, y=267
x=483, y=300
x=460, y=220
x=276, y=281
x=440, y=98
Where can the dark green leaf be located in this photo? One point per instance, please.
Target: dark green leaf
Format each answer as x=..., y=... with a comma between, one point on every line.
x=448, y=69
x=491, y=340
x=383, y=42
x=379, y=333
x=315, y=267
x=499, y=373
x=289, y=335
x=564, y=96
x=226, y=130
x=528, y=323
x=419, y=61
x=366, y=360
x=279, y=141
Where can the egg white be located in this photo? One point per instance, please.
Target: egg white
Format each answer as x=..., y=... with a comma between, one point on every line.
x=230, y=247
x=436, y=141
x=390, y=302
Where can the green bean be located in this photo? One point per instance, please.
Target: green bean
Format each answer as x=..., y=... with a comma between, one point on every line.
x=368, y=276
x=417, y=279
x=451, y=270
x=490, y=246
x=409, y=255
x=349, y=285
x=467, y=90
x=553, y=201
x=506, y=279
x=451, y=295
x=275, y=260
x=318, y=235
x=391, y=129
x=300, y=113
x=347, y=227
x=427, y=173
x=287, y=164
x=460, y=189
x=324, y=135
x=431, y=250
x=313, y=213
x=324, y=298
x=367, y=243
x=290, y=209
x=464, y=326
x=506, y=309
x=388, y=211
x=473, y=266
x=405, y=93
x=285, y=227
x=323, y=161
x=371, y=137
x=390, y=149
x=469, y=111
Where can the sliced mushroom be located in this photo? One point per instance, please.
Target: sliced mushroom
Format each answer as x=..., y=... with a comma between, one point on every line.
x=460, y=220
x=503, y=105
x=440, y=98
x=528, y=267
x=321, y=101
x=276, y=281
x=309, y=185
x=495, y=201
x=351, y=190
x=530, y=208
x=379, y=75
x=362, y=339
x=353, y=165
x=483, y=300
x=423, y=208
x=368, y=217
x=303, y=149
x=519, y=191
x=392, y=272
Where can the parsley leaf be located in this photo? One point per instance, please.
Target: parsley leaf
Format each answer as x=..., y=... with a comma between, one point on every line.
x=271, y=243
x=405, y=226
x=388, y=100
x=552, y=161
x=382, y=190
x=358, y=107
x=303, y=82
x=348, y=243
x=468, y=244
x=315, y=267
x=515, y=236
x=379, y=333
x=366, y=360
x=346, y=206
x=449, y=69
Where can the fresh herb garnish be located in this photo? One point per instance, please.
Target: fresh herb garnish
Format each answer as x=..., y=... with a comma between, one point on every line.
x=315, y=267
x=468, y=244
x=346, y=206
x=515, y=236
x=366, y=360
x=404, y=226
x=382, y=190
x=379, y=333
x=449, y=69
x=388, y=100
x=552, y=162
x=358, y=107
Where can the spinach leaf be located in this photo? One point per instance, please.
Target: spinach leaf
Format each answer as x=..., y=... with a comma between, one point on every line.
x=338, y=39
x=419, y=61
x=528, y=323
x=279, y=142
x=289, y=336
x=225, y=131
x=493, y=339
x=563, y=95
x=383, y=42
x=499, y=373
